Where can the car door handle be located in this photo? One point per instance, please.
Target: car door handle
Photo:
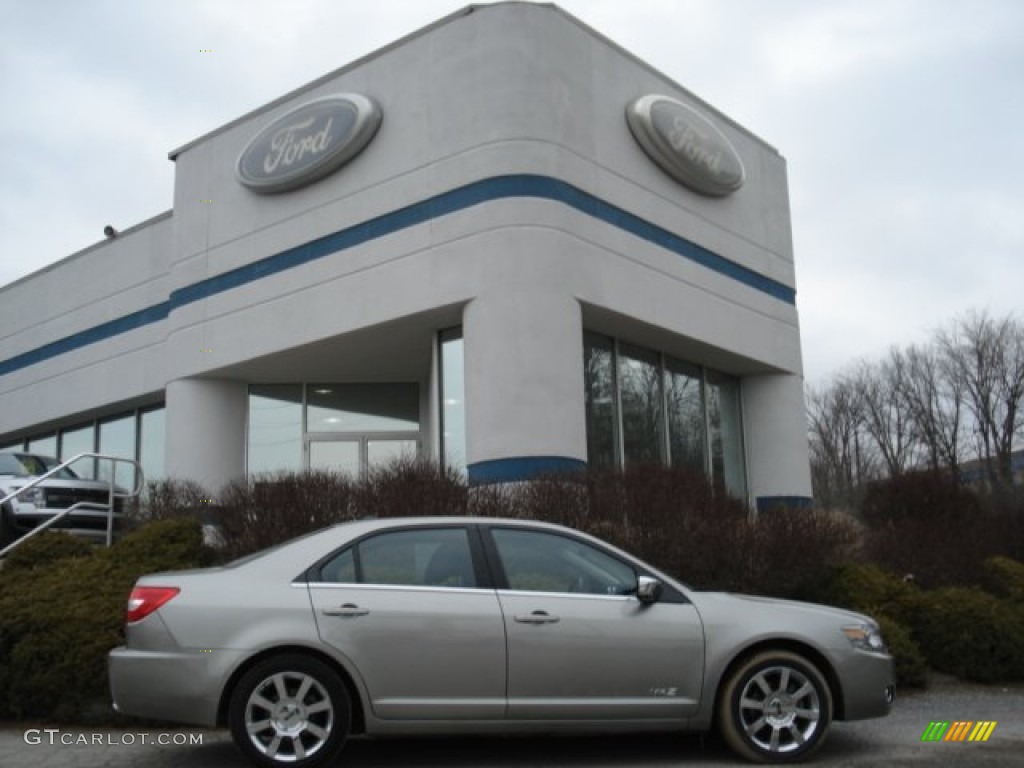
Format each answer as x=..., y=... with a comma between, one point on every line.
x=538, y=617
x=347, y=610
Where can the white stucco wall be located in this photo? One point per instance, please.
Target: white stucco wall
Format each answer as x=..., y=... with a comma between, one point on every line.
x=509, y=89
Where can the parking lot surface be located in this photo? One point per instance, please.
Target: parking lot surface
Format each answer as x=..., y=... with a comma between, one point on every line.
x=892, y=741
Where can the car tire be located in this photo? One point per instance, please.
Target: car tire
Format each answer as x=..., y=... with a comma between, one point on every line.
x=775, y=707
x=290, y=710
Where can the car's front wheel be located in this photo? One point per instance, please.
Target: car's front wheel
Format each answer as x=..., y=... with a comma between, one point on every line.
x=775, y=707
x=290, y=710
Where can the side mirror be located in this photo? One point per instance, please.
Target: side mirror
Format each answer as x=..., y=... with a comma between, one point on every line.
x=648, y=590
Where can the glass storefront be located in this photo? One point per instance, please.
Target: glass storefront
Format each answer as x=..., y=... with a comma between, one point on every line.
x=453, y=399
x=152, y=442
x=337, y=427
x=76, y=441
x=43, y=445
x=137, y=434
x=643, y=407
x=275, y=428
x=117, y=438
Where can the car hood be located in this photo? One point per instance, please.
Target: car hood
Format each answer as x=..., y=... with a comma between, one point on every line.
x=731, y=602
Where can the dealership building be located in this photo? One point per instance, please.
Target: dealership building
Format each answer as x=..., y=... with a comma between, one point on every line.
x=502, y=242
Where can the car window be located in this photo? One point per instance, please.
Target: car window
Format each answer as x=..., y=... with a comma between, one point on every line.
x=544, y=562
x=430, y=557
x=29, y=465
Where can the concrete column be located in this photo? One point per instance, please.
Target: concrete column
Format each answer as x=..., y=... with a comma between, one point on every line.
x=524, y=385
x=776, y=437
x=206, y=431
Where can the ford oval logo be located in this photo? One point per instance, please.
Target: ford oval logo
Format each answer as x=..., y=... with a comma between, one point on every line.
x=308, y=143
x=686, y=145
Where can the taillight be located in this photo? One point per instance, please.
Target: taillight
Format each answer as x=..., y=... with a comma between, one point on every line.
x=144, y=600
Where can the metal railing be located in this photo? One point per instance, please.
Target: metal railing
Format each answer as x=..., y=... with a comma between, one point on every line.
x=113, y=493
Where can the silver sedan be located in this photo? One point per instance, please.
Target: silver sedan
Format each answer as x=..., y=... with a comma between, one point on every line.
x=472, y=625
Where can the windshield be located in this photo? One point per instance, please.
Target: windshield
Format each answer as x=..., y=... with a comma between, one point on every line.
x=30, y=465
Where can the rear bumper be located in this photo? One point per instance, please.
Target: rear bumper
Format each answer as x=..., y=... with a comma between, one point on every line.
x=182, y=687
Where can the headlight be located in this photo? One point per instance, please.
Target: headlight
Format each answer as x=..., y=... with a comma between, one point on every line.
x=35, y=496
x=865, y=637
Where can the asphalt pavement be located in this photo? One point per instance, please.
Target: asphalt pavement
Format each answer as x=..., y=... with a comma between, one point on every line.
x=891, y=741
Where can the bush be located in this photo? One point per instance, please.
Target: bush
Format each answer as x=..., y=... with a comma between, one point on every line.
x=269, y=509
x=891, y=601
x=910, y=663
x=870, y=589
x=410, y=487
x=169, y=498
x=971, y=634
x=924, y=496
x=58, y=622
x=45, y=549
x=1004, y=577
x=927, y=525
x=792, y=552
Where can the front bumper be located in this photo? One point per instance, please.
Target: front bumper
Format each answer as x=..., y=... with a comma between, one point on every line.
x=868, y=682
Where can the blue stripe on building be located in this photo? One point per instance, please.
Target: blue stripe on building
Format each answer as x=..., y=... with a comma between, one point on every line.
x=452, y=201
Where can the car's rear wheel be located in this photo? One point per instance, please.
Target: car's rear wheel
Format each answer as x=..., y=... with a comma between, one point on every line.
x=775, y=707
x=290, y=710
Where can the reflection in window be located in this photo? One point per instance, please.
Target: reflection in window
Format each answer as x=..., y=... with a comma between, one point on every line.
x=599, y=374
x=644, y=407
x=117, y=438
x=684, y=399
x=275, y=428
x=152, y=442
x=544, y=562
x=76, y=441
x=380, y=453
x=453, y=400
x=362, y=408
x=640, y=394
x=725, y=419
x=44, y=445
x=340, y=456
x=422, y=558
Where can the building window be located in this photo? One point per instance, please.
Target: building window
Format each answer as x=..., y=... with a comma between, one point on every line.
x=336, y=427
x=152, y=442
x=453, y=399
x=643, y=407
x=601, y=401
x=725, y=421
x=362, y=408
x=43, y=445
x=687, y=418
x=79, y=440
x=117, y=438
x=138, y=434
x=275, y=428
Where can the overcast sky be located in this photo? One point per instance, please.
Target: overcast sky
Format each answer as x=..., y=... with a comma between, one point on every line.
x=902, y=122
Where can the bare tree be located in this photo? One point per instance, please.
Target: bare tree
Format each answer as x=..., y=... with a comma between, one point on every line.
x=985, y=356
x=934, y=401
x=885, y=418
x=840, y=458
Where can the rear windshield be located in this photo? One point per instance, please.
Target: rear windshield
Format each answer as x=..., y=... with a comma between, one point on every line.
x=30, y=465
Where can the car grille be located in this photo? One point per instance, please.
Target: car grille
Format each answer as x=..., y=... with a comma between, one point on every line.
x=62, y=498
